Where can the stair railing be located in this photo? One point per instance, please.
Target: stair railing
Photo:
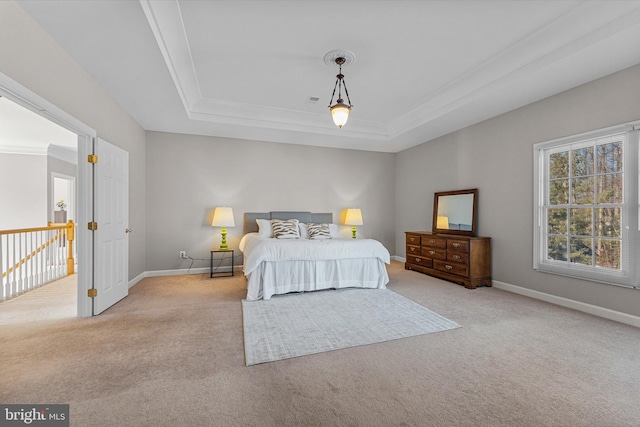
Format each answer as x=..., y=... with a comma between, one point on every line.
x=31, y=257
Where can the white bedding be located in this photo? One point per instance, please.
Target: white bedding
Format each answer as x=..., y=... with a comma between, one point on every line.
x=275, y=266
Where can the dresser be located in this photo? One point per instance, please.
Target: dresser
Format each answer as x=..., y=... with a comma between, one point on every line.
x=461, y=259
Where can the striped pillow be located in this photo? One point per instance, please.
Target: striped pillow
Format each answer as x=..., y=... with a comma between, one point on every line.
x=318, y=231
x=285, y=229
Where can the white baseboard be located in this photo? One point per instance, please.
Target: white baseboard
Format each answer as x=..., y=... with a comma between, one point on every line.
x=181, y=271
x=606, y=313
x=399, y=258
x=178, y=272
x=136, y=279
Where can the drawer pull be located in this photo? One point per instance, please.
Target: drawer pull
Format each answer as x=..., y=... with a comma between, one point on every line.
x=418, y=260
x=432, y=252
x=432, y=241
x=413, y=249
x=413, y=239
x=448, y=267
x=456, y=257
x=456, y=245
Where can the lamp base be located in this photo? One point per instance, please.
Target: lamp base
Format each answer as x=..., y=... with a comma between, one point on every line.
x=223, y=244
x=353, y=231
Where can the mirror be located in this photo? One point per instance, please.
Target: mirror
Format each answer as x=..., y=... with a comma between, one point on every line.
x=454, y=212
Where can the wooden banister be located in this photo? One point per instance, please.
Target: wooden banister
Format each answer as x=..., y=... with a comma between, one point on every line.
x=29, y=230
x=67, y=229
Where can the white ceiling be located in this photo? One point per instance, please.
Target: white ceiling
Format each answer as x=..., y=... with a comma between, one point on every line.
x=245, y=69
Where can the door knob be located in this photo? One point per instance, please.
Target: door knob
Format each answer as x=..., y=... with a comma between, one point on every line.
x=128, y=230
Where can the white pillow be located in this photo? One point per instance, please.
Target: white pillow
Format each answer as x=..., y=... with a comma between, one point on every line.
x=303, y=230
x=264, y=228
x=333, y=230
x=285, y=229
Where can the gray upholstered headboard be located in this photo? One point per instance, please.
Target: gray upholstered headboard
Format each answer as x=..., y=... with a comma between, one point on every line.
x=250, y=225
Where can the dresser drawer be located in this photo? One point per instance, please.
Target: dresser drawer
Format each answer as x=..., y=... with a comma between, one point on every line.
x=413, y=250
x=451, y=267
x=458, y=257
x=434, y=242
x=413, y=239
x=434, y=253
x=458, y=245
x=418, y=260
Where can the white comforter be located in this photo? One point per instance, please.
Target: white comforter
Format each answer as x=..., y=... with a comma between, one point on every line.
x=257, y=249
x=275, y=266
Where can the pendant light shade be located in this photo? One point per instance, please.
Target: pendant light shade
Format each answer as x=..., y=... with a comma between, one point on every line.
x=340, y=114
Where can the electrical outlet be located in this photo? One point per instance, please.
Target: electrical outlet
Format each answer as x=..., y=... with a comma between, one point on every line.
x=183, y=254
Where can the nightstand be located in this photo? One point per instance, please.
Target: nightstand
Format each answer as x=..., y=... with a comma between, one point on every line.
x=224, y=256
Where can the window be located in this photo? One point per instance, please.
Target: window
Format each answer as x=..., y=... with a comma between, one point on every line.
x=586, y=187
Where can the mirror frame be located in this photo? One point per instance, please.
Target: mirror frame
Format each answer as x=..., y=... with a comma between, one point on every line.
x=434, y=227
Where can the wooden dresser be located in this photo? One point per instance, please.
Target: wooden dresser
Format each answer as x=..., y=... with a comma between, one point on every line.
x=461, y=259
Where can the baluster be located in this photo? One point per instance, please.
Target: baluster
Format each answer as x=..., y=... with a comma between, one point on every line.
x=23, y=273
x=50, y=261
x=32, y=260
x=18, y=269
x=14, y=286
x=39, y=258
x=27, y=260
x=28, y=267
x=59, y=256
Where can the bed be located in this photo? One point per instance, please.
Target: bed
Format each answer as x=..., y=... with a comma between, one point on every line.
x=279, y=266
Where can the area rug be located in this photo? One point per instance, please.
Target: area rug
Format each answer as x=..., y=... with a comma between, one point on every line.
x=295, y=325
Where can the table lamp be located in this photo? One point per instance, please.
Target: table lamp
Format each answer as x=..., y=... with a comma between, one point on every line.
x=354, y=217
x=442, y=222
x=223, y=217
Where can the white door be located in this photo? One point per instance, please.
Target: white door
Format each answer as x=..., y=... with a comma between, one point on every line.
x=111, y=213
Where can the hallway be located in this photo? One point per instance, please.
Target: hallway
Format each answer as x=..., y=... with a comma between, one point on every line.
x=55, y=300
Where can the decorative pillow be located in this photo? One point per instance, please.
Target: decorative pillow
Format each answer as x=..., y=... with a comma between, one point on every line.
x=318, y=231
x=264, y=228
x=285, y=229
x=333, y=229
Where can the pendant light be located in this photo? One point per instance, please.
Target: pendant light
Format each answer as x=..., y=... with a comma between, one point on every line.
x=340, y=111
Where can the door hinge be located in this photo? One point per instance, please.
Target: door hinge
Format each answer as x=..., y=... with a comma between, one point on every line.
x=93, y=226
x=92, y=293
x=92, y=158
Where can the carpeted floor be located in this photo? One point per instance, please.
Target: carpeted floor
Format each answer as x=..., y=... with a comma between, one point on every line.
x=171, y=354
x=53, y=301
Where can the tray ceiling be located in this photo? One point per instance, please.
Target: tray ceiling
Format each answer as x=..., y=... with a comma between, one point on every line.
x=246, y=69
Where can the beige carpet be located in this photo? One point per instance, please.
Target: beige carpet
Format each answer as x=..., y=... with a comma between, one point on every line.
x=171, y=354
x=52, y=301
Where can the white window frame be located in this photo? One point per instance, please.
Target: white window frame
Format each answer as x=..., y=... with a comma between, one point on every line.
x=629, y=274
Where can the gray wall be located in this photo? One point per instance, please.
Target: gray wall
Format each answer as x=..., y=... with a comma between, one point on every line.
x=496, y=156
x=188, y=176
x=33, y=59
x=23, y=191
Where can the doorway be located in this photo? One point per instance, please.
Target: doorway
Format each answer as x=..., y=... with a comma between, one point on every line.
x=83, y=205
x=63, y=191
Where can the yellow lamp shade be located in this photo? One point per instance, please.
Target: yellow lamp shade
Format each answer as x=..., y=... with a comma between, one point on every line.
x=223, y=217
x=442, y=222
x=354, y=217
